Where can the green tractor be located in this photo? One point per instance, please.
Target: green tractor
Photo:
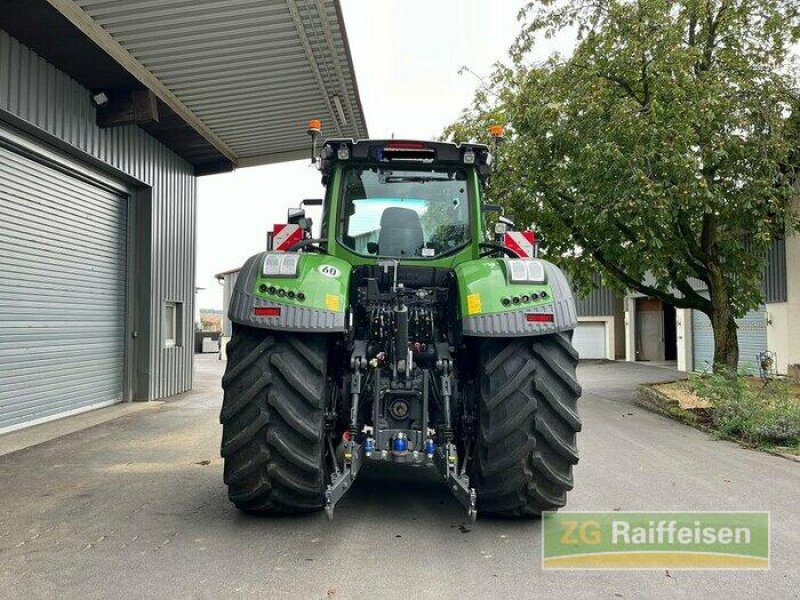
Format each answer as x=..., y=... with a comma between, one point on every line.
x=406, y=333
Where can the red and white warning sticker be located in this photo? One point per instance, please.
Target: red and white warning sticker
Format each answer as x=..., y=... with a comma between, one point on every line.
x=521, y=242
x=285, y=236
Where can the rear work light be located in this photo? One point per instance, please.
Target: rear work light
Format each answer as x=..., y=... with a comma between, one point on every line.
x=525, y=271
x=281, y=264
x=539, y=317
x=267, y=311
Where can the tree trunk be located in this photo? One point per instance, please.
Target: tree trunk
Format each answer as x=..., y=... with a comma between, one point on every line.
x=726, y=342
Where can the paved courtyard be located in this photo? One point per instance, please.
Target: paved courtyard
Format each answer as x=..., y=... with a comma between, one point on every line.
x=135, y=507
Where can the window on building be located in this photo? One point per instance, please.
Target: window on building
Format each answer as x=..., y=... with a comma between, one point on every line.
x=173, y=324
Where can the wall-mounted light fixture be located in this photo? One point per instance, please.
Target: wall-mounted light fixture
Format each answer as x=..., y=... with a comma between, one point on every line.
x=100, y=99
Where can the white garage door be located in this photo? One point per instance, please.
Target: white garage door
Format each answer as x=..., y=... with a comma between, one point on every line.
x=63, y=274
x=589, y=339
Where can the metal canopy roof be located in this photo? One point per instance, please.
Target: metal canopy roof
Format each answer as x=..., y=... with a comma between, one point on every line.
x=246, y=75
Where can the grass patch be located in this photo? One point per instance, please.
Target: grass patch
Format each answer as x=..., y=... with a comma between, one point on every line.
x=742, y=409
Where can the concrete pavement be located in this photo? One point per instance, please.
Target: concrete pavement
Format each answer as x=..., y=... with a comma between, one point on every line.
x=130, y=509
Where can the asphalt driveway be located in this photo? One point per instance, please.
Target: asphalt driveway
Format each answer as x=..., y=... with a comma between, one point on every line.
x=135, y=507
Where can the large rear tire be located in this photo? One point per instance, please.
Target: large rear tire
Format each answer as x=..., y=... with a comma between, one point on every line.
x=273, y=421
x=528, y=418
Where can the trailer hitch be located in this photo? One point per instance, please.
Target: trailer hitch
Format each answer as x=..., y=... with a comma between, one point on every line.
x=446, y=460
x=341, y=481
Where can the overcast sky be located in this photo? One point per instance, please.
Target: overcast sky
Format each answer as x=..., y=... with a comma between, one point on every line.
x=407, y=54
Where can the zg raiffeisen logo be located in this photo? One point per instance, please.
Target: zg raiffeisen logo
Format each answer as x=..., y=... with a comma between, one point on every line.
x=658, y=540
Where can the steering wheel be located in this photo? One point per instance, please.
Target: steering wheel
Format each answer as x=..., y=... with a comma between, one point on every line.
x=494, y=248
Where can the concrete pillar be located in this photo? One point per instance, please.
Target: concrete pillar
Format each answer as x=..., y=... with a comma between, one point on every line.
x=610, y=326
x=619, y=328
x=683, y=327
x=630, y=329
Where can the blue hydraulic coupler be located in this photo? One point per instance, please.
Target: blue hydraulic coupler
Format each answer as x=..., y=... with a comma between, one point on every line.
x=429, y=448
x=400, y=444
x=369, y=446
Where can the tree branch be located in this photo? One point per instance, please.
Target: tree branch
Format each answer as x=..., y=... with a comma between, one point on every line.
x=625, y=85
x=695, y=257
x=690, y=300
x=712, y=23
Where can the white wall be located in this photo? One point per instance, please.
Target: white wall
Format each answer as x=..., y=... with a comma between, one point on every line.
x=786, y=323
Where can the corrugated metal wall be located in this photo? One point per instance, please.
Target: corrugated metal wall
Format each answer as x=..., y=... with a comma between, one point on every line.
x=599, y=303
x=774, y=281
x=36, y=92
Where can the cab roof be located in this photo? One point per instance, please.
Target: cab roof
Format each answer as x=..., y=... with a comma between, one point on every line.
x=409, y=153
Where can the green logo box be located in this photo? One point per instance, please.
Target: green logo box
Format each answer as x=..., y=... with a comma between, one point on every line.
x=655, y=540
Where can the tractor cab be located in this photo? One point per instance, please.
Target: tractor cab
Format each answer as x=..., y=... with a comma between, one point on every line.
x=419, y=202
x=404, y=200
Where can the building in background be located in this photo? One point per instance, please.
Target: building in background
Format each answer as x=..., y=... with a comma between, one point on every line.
x=646, y=329
x=601, y=324
x=109, y=111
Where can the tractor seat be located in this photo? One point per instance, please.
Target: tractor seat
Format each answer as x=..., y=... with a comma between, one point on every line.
x=401, y=233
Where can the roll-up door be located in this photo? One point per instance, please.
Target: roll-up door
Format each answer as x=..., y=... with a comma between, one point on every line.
x=752, y=335
x=63, y=274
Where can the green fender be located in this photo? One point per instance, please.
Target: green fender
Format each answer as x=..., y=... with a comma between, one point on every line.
x=313, y=299
x=491, y=306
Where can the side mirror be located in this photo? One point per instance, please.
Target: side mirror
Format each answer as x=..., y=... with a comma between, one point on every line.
x=496, y=208
x=311, y=202
x=372, y=247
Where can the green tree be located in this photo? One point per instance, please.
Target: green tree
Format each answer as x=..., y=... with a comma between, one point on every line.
x=662, y=145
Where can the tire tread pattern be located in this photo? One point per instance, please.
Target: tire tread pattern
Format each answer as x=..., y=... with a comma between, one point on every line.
x=528, y=424
x=273, y=421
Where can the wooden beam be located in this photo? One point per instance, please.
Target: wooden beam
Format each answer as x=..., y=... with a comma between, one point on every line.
x=137, y=107
x=145, y=106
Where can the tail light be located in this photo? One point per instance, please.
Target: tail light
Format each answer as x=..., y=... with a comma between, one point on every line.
x=539, y=317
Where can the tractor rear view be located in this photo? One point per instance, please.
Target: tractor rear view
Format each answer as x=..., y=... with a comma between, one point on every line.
x=406, y=333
